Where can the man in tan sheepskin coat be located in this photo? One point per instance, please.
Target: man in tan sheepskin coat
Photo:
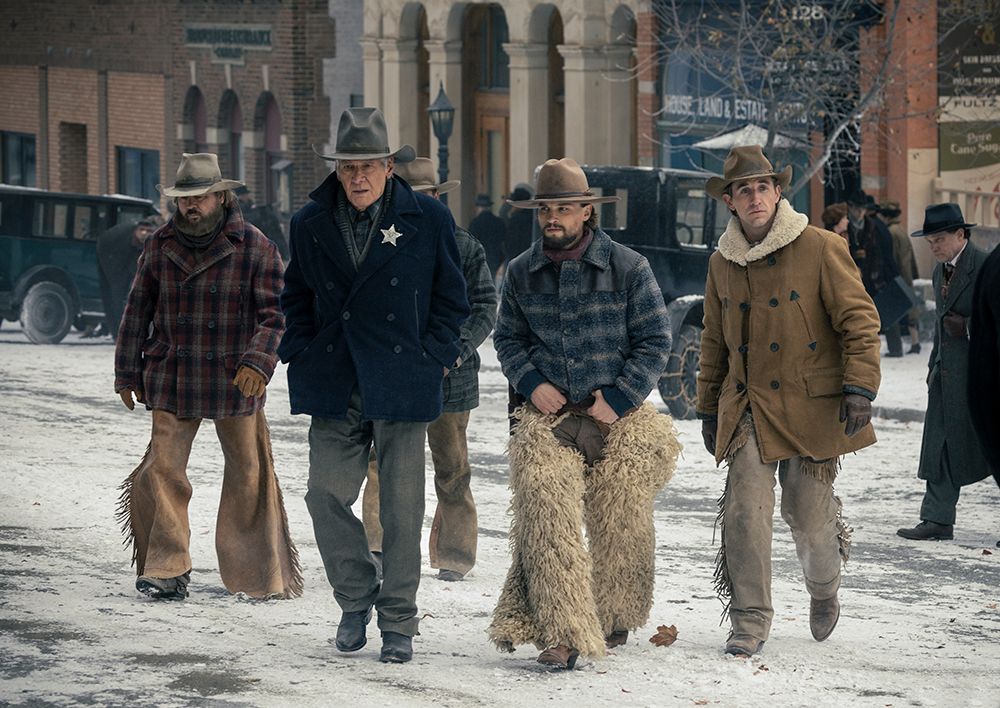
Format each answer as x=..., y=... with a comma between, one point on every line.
x=583, y=335
x=789, y=367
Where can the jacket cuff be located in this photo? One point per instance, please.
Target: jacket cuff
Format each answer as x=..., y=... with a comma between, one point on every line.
x=529, y=382
x=617, y=400
x=261, y=363
x=860, y=391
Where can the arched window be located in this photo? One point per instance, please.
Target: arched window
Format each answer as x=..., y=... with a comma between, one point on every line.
x=231, y=126
x=195, y=121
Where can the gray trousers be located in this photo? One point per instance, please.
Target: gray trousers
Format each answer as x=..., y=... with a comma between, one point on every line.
x=338, y=463
x=941, y=495
x=809, y=508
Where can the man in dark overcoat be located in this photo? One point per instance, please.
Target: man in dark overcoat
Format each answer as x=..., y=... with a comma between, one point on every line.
x=455, y=529
x=491, y=231
x=871, y=249
x=198, y=340
x=950, y=456
x=374, y=299
x=118, y=249
x=984, y=361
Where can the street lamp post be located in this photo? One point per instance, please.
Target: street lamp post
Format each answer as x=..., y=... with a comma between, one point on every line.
x=442, y=115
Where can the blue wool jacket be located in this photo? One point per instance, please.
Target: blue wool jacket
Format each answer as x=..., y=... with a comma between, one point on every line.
x=391, y=327
x=599, y=322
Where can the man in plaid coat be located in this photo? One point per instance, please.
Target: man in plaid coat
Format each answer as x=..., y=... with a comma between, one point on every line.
x=198, y=340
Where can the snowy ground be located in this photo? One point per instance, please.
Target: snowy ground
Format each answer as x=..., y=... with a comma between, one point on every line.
x=920, y=624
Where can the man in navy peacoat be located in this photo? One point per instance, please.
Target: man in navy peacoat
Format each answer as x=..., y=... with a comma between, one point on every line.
x=374, y=298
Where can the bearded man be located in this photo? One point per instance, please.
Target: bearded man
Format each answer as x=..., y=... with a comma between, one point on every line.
x=789, y=367
x=199, y=339
x=583, y=336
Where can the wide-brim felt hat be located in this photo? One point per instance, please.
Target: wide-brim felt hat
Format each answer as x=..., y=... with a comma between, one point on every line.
x=483, y=200
x=362, y=135
x=419, y=174
x=198, y=174
x=746, y=162
x=942, y=217
x=561, y=181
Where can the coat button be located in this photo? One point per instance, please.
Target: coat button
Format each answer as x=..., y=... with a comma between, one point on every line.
x=740, y=388
x=775, y=347
x=742, y=349
x=390, y=317
x=775, y=385
x=211, y=324
x=744, y=306
x=329, y=347
x=212, y=289
x=329, y=286
x=773, y=302
x=394, y=281
x=210, y=356
x=346, y=316
x=397, y=349
x=180, y=319
x=181, y=353
x=771, y=260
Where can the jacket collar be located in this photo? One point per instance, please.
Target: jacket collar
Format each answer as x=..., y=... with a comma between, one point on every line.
x=597, y=254
x=787, y=226
x=221, y=247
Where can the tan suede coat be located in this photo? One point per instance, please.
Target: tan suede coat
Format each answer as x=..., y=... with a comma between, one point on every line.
x=788, y=329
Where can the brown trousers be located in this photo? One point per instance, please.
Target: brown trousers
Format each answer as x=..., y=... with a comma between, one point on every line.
x=455, y=528
x=812, y=512
x=256, y=553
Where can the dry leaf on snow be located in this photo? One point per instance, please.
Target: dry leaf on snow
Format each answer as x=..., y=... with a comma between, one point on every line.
x=665, y=636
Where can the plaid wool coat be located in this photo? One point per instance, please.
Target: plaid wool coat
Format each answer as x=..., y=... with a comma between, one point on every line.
x=209, y=314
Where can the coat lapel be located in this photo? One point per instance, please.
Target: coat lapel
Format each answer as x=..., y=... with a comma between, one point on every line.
x=324, y=233
x=962, y=277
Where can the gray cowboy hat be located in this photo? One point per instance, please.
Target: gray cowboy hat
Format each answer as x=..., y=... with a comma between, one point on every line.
x=419, y=174
x=561, y=181
x=198, y=174
x=942, y=217
x=362, y=135
x=746, y=162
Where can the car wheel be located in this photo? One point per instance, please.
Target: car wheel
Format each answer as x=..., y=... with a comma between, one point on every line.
x=679, y=383
x=46, y=313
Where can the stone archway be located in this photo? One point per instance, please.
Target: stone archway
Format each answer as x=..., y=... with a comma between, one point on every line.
x=230, y=132
x=194, y=129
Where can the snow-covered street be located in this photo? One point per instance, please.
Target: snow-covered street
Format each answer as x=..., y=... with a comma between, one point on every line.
x=920, y=623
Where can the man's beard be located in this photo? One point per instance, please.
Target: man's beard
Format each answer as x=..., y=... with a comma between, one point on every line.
x=562, y=241
x=203, y=226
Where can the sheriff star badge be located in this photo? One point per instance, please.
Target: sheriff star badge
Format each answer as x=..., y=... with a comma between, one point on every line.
x=390, y=235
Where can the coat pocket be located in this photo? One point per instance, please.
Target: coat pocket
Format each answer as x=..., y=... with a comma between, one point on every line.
x=824, y=382
x=154, y=349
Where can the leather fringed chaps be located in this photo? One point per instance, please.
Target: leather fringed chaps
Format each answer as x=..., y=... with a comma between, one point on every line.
x=254, y=546
x=559, y=591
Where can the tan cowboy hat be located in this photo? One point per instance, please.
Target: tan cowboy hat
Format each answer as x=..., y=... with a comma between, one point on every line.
x=561, y=181
x=746, y=162
x=198, y=174
x=362, y=135
x=419, y=174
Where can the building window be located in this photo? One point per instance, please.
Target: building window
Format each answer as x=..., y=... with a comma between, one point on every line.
x=138, y=172
x=18, y=158
x=494, y=69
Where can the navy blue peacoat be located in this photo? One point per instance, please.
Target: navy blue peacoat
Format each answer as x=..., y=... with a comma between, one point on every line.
x=391, y=327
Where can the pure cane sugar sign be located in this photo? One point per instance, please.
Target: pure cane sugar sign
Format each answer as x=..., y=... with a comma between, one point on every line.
x=228, y=43
x=969, y=90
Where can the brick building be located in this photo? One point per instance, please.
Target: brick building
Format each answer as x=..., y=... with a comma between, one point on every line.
x=103, y=97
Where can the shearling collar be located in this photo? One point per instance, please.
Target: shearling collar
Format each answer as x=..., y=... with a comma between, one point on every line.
x=787, y=226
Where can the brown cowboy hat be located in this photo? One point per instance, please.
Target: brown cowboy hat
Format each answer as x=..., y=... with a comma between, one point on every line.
x=419, y=174
x=746, y=162
x=362, y=135
x=198, y=174
x=561, y=181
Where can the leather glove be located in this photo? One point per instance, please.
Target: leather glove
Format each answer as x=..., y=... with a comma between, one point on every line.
x=856, y=410
x=126, y=394
x=954, y=324
x=249, y=382
x=709, y=429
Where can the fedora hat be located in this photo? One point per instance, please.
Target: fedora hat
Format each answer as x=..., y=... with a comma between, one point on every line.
x=419, y=174
x=198, y=174
x=561, y=181
x=746, y=162
x=942, y=217
x=362, y=135
x=483, y=200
